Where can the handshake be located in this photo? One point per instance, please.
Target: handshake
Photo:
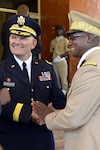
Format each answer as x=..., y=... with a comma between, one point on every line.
x=39, y=112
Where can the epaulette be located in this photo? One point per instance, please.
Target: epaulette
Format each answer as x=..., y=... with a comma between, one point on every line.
x=89, y=63
x=50, y=63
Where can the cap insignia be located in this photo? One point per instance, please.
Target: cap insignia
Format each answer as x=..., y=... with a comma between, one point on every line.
x=21, y=20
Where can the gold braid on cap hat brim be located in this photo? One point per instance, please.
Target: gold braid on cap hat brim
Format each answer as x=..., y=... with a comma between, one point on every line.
x=21, y=33
x=84, y=26
x=22, y=30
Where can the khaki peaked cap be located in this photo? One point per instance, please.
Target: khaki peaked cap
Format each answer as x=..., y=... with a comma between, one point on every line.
x=82, y=22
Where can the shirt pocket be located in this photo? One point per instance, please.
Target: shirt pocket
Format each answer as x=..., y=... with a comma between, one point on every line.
x=45, y=85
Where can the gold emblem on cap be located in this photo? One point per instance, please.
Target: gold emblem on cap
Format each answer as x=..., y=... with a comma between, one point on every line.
x=21, y=20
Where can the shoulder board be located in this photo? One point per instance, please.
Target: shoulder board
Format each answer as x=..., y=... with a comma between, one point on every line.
x=89, y=63
x=50, y=63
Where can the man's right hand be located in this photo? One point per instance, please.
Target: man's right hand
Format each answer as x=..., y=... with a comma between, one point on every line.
x=4, y=96
x=41, y=110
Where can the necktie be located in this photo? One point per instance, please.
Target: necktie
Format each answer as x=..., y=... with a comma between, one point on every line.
x=25, y=70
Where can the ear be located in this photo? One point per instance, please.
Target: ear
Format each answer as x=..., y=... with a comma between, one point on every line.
x=34, y=43
x=90, y=38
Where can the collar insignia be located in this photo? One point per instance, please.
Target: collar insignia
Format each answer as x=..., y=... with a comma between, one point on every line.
x=13, y=66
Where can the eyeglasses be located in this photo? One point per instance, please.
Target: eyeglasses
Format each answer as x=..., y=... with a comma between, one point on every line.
x=76, y=35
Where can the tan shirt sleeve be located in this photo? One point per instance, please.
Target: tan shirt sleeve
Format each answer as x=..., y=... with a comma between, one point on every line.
x=82, y=101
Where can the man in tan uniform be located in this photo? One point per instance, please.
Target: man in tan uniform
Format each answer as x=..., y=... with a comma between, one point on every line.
x=80, y=119
x=58, y=47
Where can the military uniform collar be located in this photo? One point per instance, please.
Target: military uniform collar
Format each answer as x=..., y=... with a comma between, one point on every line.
x=86, y=54
x=20, y=62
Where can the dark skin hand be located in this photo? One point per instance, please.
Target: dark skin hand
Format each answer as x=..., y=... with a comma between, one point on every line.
x=4, y=96
x=41, y=110
x=35, y=117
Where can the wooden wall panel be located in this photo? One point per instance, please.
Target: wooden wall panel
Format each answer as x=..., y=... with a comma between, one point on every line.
x=52, y=13
x=89, y=7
